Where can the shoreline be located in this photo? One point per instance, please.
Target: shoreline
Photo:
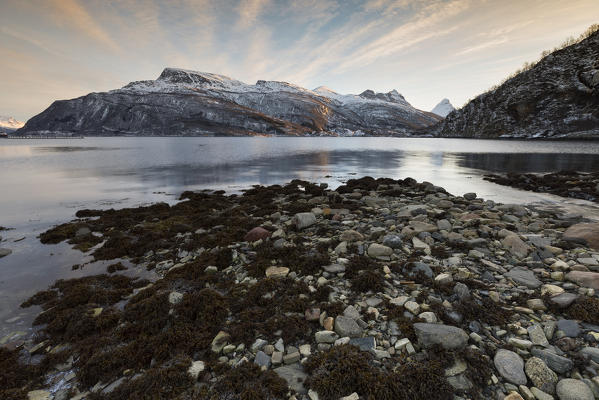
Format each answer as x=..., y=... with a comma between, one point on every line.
x=294, y=277
x=423, y=136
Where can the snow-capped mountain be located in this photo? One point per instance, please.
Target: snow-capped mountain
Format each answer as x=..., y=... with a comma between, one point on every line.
x=443, y=108
x=9, y=124
x=183, y=102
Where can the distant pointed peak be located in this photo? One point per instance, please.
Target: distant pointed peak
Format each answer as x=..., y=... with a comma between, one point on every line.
x=444, y=108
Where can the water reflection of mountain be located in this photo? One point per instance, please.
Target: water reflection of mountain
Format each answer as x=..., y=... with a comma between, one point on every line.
x=271, y=169
x=528, y=162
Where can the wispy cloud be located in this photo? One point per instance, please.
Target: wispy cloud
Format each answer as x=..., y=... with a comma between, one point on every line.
x=428, y=49
x=249, y=10
x=73, y=13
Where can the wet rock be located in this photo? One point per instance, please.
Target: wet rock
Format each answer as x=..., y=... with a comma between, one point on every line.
x=469, y=196
x=257, y=233
x=351, y=236
x=584, y=233
x=175, y=297
x=5, y=252
x=196, y=368
x=443, y=279
x=294, y=375
x=334, y=268
x=541, y=375
x=291, y=358
x=462, y=291
x=347, y=327
x=365, y=343
x=449, y=337
x=392, y=241
x=537, y=335
x=516, y=246
x=351, y=312
x=564, y=300
x=573, y=389
x=376, y=250
x=584, y=278
x=523, y=277
x=276, y=272
x=540, y=395
x=569, y=327
x=510, y=366
x=219, y=341
x=326, y=337
x=312, y=314
x=592, y=352
x=38, y=395
x=262, y=359
x=557, y=363
x=83, y=231
x=304, y=220
x=419, y=227
x=414, y=269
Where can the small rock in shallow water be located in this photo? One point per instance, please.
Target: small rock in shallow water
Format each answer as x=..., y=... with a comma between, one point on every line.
x=5, y=252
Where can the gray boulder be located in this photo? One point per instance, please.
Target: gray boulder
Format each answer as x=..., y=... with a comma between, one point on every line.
x=449, y=337
x=510, y=366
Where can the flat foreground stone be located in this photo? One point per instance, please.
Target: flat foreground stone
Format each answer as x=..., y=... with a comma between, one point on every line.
x=510, y=366
x=450, y=337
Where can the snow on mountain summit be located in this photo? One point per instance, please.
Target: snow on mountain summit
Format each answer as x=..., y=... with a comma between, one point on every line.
x=184, y=102
x=443, y=108
x=9, y=123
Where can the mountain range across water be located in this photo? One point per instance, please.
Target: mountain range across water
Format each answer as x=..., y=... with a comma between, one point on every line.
x=558, y=97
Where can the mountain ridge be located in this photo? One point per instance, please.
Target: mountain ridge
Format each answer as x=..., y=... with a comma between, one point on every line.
x=556, y=98
x=183, y=103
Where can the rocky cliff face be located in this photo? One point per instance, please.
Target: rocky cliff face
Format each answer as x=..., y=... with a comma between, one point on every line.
x=184, y=102
x=557, y=98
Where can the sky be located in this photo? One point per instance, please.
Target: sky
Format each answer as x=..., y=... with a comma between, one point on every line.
x=426, y=49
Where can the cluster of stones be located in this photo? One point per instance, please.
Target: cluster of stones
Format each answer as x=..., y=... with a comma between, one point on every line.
x=511, y=250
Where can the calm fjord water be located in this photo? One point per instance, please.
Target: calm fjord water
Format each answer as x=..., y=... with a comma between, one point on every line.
x=44, y=182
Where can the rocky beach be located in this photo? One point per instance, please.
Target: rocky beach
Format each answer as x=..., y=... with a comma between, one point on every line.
x=379, y=289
